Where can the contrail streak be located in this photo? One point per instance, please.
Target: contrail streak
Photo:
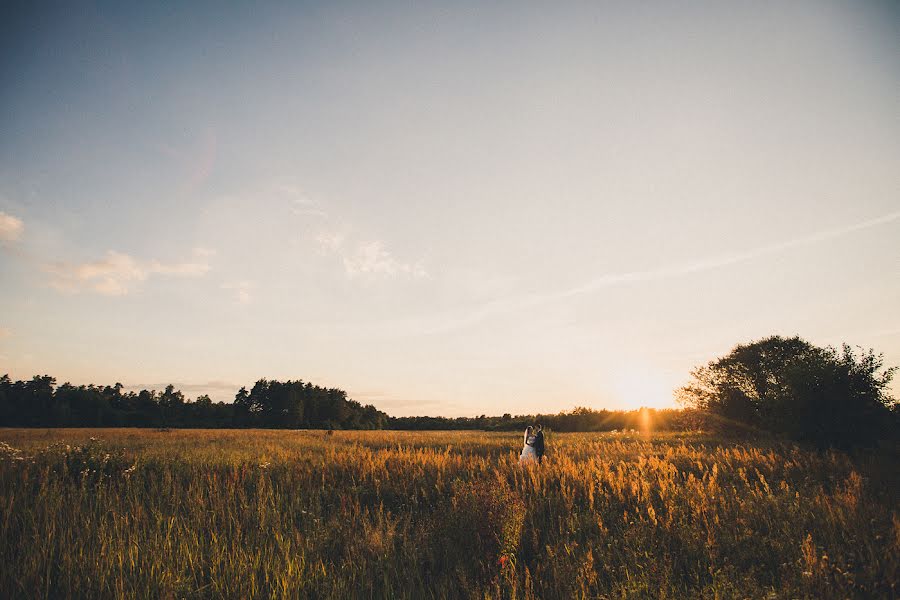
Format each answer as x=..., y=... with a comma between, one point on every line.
x=723, y=260
x=667, y=272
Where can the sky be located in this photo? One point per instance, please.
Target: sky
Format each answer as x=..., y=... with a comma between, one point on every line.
x=444, y=208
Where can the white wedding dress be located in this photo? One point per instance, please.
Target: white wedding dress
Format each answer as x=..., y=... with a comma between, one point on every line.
x=528, y=452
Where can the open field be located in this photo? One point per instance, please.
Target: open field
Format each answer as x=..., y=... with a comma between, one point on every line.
x=196, y=514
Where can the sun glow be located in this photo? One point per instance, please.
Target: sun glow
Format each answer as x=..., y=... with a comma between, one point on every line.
x=637, y=387
x=646, y=421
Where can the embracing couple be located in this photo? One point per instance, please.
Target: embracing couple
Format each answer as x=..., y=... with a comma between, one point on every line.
x=534, y=445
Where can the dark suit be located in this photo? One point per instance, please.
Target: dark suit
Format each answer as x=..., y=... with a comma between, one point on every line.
x=539, y=445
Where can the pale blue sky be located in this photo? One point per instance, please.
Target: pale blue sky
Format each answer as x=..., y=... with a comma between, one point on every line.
x=444, y=208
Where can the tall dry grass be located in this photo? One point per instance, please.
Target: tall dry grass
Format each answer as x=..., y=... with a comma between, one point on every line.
x=245, y=514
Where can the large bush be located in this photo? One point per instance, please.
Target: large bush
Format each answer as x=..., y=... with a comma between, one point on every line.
x=825, y=396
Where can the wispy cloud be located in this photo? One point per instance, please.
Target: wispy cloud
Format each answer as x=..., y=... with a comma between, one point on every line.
x=242, y=290
x=299, y=203
x=372, y=259
x=366, y=259
x=221, y=389
x=330, y=242
x=11, y=227
x=360, y=258
x=118, y=273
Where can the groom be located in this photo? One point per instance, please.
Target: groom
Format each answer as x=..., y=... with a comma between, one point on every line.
x=539, y=443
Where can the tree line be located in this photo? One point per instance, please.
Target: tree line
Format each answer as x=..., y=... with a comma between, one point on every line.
x=579, y=419
x=290, y=404
x=39, y=402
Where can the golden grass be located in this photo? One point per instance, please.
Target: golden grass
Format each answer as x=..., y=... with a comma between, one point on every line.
x=246, y=514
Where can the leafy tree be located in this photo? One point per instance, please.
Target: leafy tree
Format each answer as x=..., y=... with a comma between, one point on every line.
x=171, y=401
x=825, y=396
x=242, y=408
x=147, y=410
x=201, y=411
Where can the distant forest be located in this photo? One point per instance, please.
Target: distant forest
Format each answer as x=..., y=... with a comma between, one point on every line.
x=579, y=419
x=270, y=404
x=39, y=402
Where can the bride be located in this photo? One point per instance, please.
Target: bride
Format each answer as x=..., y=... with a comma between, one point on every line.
x=529, y=454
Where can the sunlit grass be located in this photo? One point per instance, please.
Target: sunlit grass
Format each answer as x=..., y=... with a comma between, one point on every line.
x=241, y=514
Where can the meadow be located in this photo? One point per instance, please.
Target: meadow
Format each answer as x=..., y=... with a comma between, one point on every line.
x=127, y=513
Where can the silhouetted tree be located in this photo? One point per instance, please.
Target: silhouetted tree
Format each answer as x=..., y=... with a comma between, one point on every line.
x=171, y=401
x=825, y=396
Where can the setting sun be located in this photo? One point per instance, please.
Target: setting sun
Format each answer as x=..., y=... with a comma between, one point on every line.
x=636, y=388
